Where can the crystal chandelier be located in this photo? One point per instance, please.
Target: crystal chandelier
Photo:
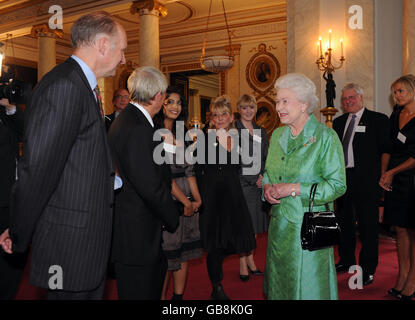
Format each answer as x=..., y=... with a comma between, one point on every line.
x=216, y=63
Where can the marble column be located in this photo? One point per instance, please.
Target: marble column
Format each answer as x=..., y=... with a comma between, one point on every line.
x=46, y=48
x=232, y=76
x=408, y=36
x=194, y=105
x=303, y=20
x=149, y=12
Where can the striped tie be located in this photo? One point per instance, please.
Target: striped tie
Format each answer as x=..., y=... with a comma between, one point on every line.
x=99, y=99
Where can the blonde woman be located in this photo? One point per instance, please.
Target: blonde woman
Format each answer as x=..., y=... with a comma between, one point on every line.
x=225, y=222
x=251, y=182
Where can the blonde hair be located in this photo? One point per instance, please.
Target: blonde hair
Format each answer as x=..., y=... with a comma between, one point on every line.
x=221, y=103
x=247, y=100
x=408, y=81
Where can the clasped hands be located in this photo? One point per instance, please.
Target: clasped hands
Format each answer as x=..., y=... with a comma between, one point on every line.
x=6, y=242
x=386, y=180
x=274, y=193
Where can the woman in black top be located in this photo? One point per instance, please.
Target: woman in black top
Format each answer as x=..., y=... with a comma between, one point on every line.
x=398, y=181
x=225, y=222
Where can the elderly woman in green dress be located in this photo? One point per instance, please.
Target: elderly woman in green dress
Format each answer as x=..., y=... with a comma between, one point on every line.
x=301, y=153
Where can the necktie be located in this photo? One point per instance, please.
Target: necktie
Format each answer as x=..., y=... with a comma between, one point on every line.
x=99, y=99
x=347, y=137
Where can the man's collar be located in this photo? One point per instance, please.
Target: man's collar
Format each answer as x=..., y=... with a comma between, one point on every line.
x=89, y=74
x=144, y=111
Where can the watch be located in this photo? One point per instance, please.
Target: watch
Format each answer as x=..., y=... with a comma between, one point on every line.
x=293, y=194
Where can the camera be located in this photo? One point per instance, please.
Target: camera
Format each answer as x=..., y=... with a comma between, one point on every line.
x=16, y=91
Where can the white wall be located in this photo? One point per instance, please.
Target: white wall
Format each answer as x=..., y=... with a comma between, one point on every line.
x=388, y=49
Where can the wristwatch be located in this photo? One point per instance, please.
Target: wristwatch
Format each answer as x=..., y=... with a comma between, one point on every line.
x=293, y=194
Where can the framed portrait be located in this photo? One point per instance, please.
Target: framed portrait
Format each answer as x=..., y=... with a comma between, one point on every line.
x=267, y=116
x=262, y=70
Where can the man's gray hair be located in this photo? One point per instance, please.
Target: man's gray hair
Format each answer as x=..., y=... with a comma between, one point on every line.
x=144, y=83
x=87, y=27
x=303, y=88
x=355, y=87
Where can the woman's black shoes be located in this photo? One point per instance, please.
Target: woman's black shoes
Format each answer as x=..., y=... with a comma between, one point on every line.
x=256, y=272
x=244, y=278
x=393, y=292
x=218, y=293
x=401, y=296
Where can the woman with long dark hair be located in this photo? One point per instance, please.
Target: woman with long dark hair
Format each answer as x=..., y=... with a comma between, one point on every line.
x=184, y=244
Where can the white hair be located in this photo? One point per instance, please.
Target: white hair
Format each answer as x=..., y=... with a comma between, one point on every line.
x=145, y=82
x=303, y=88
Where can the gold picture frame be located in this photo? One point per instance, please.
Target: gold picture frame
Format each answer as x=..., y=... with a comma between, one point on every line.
x=262, y=70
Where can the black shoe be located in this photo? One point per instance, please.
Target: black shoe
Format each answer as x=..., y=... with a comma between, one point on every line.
x=340, y=267
x=368, y=279
x=244, y=278
x=401, y=296
x=256, y=272
x=218, y=293
x=393, y=292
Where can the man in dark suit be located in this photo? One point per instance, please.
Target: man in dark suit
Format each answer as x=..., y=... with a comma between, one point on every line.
x=62, y=201
x=119, y=100
x=11, y=130
x=144, y=204
x=365, y=138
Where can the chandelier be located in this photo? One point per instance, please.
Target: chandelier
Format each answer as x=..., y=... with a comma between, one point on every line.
x=216, y=63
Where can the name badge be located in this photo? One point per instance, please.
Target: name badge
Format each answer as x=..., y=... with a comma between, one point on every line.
x=401, y=137
x=169, y=148
x=257, y=138
x=360, y=129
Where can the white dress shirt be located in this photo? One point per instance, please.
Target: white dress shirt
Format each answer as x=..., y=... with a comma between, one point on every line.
x=350, y=160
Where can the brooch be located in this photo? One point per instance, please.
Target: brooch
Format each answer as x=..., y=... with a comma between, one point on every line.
x=311, y=140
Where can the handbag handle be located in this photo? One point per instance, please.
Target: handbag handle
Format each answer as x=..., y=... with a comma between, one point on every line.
x=311, y=198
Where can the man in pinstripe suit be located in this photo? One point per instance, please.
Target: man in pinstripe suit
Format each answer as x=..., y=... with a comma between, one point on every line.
x=62, y=201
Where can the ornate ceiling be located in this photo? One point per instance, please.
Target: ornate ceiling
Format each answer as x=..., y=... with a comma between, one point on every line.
x=180, y=31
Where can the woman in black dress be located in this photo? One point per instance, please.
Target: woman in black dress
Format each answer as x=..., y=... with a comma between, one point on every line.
x=257, y=143
x=225, y=222
x=398, y=181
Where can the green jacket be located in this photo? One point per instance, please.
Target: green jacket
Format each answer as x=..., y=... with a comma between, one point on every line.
x=315, y=156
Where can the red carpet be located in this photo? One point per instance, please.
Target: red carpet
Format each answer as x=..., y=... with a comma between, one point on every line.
x=198, y=285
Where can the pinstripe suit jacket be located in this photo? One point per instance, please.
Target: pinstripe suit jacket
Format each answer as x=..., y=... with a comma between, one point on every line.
x=62, y=201
x=144, y=204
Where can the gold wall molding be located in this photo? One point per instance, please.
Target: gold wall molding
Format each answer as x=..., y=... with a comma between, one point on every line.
x=144, y=7
x=43, y=30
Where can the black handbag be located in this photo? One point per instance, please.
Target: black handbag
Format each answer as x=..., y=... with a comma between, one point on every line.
x=319, y=229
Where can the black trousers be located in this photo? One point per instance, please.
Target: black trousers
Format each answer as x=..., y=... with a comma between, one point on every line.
x=214, y=263
x=355, y=207
x=140, y=282
x=94, y=294
x=11, y=265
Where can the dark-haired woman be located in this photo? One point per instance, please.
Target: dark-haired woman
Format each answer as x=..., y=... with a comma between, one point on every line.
x=184, y=244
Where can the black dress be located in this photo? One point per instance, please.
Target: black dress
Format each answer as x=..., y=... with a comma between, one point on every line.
x=400, y=202
x=225, y=222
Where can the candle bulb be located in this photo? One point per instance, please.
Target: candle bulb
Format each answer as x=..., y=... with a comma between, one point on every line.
x=341, y=44
x=321, y=47
x=330, y=39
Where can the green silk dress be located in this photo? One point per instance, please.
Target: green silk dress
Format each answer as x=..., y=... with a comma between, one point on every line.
x=315, y=156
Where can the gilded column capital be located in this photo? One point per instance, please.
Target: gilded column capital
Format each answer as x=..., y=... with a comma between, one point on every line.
x=234, y=49
x=43, y=30
x=148, y=7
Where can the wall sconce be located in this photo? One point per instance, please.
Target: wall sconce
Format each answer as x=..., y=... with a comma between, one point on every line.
x=325, y=63
x=1, y=57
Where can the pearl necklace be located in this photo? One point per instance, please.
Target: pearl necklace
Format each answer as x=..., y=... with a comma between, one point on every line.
x=293, y=137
